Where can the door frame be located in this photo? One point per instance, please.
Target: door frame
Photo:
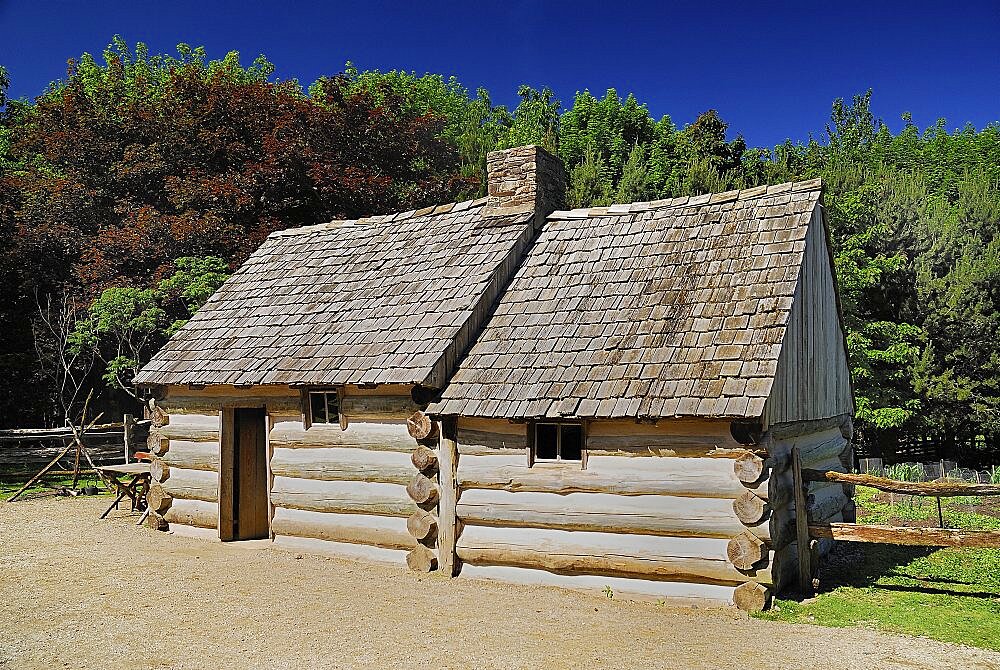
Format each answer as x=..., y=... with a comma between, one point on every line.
x=227, y=455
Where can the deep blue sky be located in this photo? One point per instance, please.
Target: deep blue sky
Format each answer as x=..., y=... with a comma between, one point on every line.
x=771, y=69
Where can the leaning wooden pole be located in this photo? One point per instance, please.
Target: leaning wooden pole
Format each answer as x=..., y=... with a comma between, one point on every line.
x=52, y=463
x=930, y=489
x=41, y=473
x=801, y=524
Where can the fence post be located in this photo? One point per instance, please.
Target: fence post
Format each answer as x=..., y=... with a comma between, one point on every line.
x=801, y=525
x=128, y=434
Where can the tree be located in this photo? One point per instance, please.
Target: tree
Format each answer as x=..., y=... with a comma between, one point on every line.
x=4, y=85
x=60, y=360
x=191, y=285
x=634, y=183
x=588, y=183
x=126, y=325
x=535, y=121
x=122, y=327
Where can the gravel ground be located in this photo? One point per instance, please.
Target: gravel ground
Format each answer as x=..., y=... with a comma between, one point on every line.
x=76, y=592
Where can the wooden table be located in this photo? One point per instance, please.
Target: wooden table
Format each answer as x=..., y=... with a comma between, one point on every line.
x=135, y=488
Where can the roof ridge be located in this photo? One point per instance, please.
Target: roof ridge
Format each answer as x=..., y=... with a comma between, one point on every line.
x=430, y=210
x=689, y=200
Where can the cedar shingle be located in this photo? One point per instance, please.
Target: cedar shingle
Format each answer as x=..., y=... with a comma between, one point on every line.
x=380, y=301
x=675, y=311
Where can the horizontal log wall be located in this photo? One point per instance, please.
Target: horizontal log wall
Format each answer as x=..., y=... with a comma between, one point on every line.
x=377, y=531
x=192, y=455
x=289, y=433
x=689, y=477
x=359, y=552
x=641, y=514
x=343, y=491
x=185, y=439
x=192, y=484
x=344, y=497
x=196, y=513
x=681, y=559
x=655, y=505
x=342, y=463
x=329, y=485
x=703, y=595
x=821, y=447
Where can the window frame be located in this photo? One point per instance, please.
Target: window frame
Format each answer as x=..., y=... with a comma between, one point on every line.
x=558, y=460
x=307, y=411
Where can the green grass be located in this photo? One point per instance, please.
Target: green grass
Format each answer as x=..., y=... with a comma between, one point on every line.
x=951, y=595
x=9, y=483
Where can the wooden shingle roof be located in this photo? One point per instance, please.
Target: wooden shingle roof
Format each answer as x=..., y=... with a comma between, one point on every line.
x=657, y=309
x=390, y=299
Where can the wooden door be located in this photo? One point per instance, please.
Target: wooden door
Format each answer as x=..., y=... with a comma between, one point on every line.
x=249, y=493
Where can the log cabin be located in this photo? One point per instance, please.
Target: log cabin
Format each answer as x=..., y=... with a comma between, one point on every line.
x=612, y=398
x=628, y=416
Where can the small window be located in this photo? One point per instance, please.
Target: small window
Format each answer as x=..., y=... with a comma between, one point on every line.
x=558, y=442
x=324, y=407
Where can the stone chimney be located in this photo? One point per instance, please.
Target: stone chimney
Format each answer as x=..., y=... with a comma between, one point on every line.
x=525, y=179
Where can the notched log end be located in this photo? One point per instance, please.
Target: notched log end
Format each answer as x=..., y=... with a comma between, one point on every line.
x=752, y=597
x=420, y=426
x=421, y=559
x=424, y=459
x=749, y=468
x=750, y=509
x=745, y=551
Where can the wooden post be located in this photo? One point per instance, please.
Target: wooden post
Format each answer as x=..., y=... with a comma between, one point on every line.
x=128, y=434
x=801, y=524
x=447, y=517
x=227, y=456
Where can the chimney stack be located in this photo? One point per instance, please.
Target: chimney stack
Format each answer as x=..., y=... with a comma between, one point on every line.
x=525, y=179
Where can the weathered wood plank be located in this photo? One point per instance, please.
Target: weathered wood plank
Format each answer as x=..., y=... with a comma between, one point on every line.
x=276, y=404
x=701, y=560
x=918, y=537
x=480, y=443
x=369, y=407
x=643, y=514
x=343, y=463
x=343, y=497
x=448, y=458
x=360, y=435
x=378, y=531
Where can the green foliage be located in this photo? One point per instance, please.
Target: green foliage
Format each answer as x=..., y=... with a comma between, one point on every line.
x=122, y=325
x=905, y=472
x=4, y=85
x=125, y=325
x=634, y=184
x=194, y=282
x=588, y=185
x=535, y=121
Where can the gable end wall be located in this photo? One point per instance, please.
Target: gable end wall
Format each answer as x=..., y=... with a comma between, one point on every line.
x=812, y=380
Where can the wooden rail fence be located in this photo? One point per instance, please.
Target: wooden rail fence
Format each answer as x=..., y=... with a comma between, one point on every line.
x=809, y=534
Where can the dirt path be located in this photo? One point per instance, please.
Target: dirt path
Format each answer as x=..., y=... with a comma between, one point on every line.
x=76, y=592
